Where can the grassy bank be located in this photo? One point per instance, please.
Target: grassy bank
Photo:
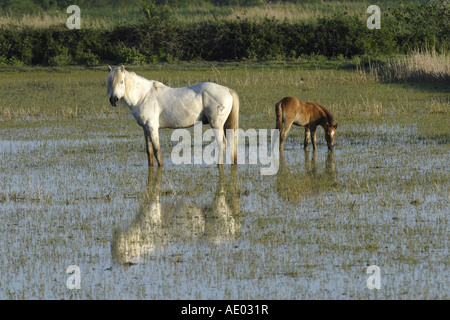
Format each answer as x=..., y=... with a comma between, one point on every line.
x=357, y=94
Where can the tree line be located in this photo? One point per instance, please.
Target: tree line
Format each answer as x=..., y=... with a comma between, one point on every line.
x=159, y=38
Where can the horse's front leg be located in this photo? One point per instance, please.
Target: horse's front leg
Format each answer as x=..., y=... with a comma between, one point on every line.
x=154, y=141
x=149, y=147
x=313, y=138
x=307, y=136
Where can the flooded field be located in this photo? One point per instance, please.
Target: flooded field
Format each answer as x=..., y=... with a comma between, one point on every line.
x=75, y=189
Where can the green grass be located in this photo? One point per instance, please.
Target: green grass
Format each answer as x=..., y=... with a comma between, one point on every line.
x=352, y=95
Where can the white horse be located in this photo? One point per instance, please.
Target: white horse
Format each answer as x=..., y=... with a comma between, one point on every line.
x=155, y=105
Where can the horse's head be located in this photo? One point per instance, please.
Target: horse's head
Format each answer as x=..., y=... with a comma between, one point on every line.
x=330, y=134
x=116, y=84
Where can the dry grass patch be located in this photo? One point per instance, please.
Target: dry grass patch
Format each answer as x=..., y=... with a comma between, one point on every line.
x=417, y=66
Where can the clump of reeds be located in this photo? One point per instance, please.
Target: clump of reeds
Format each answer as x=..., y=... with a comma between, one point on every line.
x=419, y=65
x=285, y=12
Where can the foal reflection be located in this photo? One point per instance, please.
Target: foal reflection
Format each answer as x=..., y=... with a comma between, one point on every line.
x=166, y=219
x=294, y=184
x=311, y=165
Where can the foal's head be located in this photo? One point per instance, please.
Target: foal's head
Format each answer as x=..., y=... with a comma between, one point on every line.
x=330, y=134
x=116, y=84
x=330, y=128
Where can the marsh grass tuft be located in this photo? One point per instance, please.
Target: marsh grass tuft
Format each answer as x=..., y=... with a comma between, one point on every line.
x=418, y=65
x=8, y=113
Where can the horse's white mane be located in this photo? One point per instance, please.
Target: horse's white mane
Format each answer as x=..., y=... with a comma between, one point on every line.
x=158, y=84
x=131, y=77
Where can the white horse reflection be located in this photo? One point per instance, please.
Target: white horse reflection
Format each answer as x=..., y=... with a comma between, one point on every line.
x=162, y=222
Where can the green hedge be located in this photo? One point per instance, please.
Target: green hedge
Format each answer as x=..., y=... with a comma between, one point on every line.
x=213, y=41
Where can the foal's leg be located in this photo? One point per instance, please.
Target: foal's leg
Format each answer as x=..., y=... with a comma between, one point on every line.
x=313, y=138
x=149, y=147
x=284, y=131
x=307, y=136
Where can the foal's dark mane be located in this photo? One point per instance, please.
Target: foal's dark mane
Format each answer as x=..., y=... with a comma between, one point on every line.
x=328, y=114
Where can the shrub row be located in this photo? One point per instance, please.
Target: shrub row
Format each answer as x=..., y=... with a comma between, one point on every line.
x=211, y=41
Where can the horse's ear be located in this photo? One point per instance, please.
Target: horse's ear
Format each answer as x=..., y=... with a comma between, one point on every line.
x=109, y=68
x=122, y=68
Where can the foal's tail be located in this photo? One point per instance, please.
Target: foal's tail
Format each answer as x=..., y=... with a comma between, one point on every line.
x=279, y=115
x=233, y=122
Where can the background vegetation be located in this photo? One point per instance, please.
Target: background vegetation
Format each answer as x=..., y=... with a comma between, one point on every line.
x=34, y=32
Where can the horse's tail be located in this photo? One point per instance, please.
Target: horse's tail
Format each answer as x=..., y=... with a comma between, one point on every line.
x=233, y=122
x=279, y=115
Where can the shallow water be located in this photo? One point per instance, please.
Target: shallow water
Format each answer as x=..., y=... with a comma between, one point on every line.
x=195, y=232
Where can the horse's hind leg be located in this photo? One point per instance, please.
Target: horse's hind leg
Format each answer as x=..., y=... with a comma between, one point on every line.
x=222, y=144
x=283, y=134
x=220, y=139
x=232, y=146
x=149, y=147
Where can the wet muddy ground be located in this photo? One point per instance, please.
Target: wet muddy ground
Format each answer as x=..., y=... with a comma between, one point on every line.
x=195, y=231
